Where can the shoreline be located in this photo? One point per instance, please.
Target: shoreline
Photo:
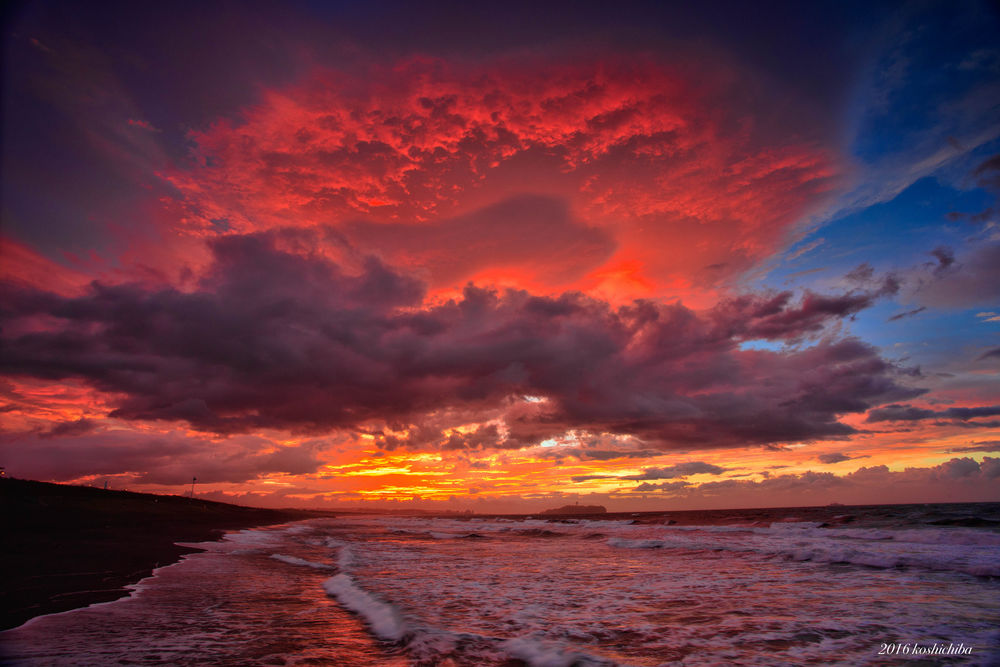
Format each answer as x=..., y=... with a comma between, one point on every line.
x=67, y=547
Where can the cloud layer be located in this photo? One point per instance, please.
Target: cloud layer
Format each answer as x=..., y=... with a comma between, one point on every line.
x=955, y=480
x=670, y=165
x=276, y=336
x=170, y=458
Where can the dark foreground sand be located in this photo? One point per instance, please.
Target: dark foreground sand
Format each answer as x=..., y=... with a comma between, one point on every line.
x=70, y=546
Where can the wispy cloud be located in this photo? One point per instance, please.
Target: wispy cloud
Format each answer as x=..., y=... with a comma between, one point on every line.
x=908, y=313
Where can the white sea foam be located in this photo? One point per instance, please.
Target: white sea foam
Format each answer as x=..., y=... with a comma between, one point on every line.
x=295, y=560
x=635, y=544
x=344, y=558
x=956, y=549
x=794, y=525
x=253, y=537
x=383, y=619
x=948, y=536
x=642, y=593
x=540, y=654
x=940, y=549
x=982, y=562
x=934, y=535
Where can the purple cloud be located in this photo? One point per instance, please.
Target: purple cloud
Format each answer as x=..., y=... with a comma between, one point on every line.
x=989, y=354
x=971, y=280
x=678, y=470
x=76, y=427
x=898, y=412
x=275, y=336
x=836, y=457
x=169, y=459
x=983, y=446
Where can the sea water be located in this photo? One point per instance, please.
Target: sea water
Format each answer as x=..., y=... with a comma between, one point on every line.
x=880, y=586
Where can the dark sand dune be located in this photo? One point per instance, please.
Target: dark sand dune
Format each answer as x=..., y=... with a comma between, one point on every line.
x=70, y=546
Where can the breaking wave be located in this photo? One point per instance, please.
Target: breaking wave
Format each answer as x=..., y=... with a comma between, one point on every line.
x=294, y=560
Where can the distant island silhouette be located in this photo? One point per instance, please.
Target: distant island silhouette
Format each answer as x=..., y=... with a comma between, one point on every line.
x=578, y=509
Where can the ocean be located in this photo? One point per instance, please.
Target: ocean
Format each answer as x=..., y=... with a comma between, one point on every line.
x=881, y=585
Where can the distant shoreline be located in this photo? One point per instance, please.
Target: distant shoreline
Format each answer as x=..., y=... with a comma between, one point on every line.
x=68, y=547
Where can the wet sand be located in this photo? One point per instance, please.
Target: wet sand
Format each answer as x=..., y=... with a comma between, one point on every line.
x=71, y=546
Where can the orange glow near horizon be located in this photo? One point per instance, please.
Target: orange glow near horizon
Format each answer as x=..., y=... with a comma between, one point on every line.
x=610, y=206
x=512, y=479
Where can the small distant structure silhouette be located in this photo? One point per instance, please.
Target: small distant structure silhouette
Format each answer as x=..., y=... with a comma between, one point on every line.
x=193, y=480
x=577, y=508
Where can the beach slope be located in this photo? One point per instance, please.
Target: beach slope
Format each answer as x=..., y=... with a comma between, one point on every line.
x=70, y=546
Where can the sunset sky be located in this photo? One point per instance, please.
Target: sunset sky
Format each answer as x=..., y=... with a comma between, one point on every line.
x=503, y=256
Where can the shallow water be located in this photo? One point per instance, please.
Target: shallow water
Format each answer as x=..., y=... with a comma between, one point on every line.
x=495, y=591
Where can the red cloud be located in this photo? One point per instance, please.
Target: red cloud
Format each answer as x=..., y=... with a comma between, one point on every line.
x=142, y=124
x=666, y=163
x=20, y=263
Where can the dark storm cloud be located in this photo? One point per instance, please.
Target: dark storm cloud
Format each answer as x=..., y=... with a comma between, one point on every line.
x=76, y=427
x=482, y=437
x=667, y=472
x=601, y=454
x=664, y=486
x=774, y=317
x=897, y=412
x=272, y=338
x=678, y=470
x=837, y=457
x=983, y=446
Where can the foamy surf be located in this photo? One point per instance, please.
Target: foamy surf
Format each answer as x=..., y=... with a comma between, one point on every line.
x=539, y=654
x=294, y=560
x=434, y=645
x=936, y=549
x=552, y=594
x=384, y=619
